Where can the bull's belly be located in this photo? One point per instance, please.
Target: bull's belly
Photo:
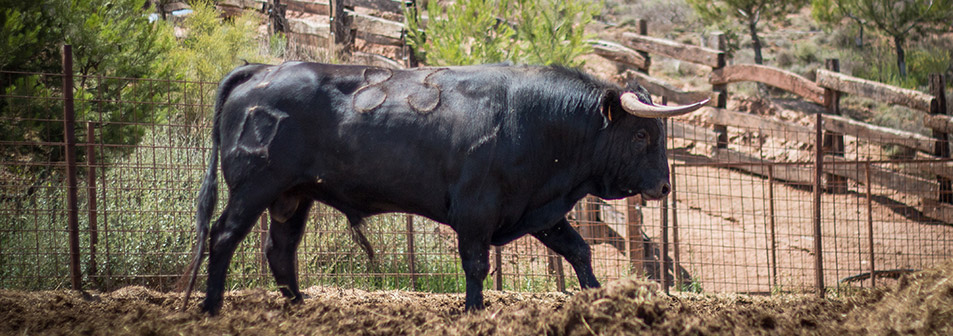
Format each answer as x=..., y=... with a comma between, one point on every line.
x=363, y=202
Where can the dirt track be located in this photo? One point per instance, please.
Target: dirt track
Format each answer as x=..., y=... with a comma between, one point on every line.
x=918, y=304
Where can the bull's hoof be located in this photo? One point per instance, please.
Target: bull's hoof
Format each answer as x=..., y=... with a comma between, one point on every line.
x=474, y=307
x=210, y=309
x=298, y=299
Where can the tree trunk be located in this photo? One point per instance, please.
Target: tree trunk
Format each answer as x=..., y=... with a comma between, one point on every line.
x=859, y=41
x=901, y=62
x=755, y=41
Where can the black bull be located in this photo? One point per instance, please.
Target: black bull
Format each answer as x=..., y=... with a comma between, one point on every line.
x=495, y=152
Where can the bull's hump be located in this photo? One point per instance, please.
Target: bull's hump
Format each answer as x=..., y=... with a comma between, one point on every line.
x=410, y=90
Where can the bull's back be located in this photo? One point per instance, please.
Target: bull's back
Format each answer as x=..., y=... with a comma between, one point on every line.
x=369, y=138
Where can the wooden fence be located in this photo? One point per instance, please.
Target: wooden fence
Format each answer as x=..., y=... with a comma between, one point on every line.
x=936, y=197
x=363, y=29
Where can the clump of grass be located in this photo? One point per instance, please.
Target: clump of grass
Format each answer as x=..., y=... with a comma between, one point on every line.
x=919, y=303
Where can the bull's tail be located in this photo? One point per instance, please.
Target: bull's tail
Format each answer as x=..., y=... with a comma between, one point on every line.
x=208, y=195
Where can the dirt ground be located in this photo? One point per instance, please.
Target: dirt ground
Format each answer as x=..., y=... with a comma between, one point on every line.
x=920, y=303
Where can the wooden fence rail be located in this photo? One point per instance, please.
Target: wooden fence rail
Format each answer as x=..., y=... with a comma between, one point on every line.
x=775, y=77
x=873, y=90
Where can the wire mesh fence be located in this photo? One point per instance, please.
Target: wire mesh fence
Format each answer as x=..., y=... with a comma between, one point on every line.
x=740, y=218
x=744, y=214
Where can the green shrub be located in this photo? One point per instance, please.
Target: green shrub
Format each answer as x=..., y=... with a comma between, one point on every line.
x=211, y=48
x=921, y=62
x=490, y=31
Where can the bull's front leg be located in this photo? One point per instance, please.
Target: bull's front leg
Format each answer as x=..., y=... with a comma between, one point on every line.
x=475, y=256
x=565, y=241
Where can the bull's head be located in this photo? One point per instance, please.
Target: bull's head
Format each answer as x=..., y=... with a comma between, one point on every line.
x=643, y=168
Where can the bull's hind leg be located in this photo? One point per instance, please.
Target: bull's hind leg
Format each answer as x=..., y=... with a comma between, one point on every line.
x=239, y=216
x=284, y=235
x=565, y=241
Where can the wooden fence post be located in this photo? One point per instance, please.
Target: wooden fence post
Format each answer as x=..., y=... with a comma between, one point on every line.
x=410, y=53
x=942, y=147
x=722, y=91
x=69, y=139
x=644, y=31
x=833, y=142
x=276, y=12
x=340, y=41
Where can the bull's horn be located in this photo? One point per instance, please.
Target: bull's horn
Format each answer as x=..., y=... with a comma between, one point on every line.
x=632, y=104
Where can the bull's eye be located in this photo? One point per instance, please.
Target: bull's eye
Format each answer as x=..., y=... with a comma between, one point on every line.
x=641, y=135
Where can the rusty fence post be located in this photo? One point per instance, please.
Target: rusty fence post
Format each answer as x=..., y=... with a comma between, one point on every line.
x=816, y=206
x=69, y=139
x=91, y=195
x=634, y=247
x=555, y=265
x=942, y=147
x=498, y=262
x=870, y=224
x=262, y=240
x=663, y=253
x=771, y=224
x=675, y=248
x=411, y=254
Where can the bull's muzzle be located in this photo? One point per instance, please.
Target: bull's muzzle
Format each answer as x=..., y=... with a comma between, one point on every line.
x=661, y=190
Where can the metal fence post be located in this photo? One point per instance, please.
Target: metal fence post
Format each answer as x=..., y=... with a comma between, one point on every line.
x=69, y=134
x=818, y=172
x=91, y=195
x=634, y=247
x=262, y=241
x=411, y=254
x=555, y=266
x=498, y=261
x=675, y=250
x=771, y=224
x=663, y=251
x=870, y=225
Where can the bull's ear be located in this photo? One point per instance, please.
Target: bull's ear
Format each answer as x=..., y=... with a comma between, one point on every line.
x=611, y=109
